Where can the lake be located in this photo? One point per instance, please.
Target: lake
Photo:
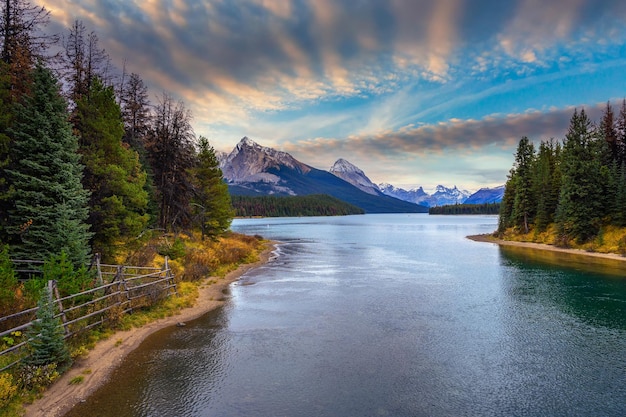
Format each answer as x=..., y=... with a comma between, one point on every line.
x=388, y=315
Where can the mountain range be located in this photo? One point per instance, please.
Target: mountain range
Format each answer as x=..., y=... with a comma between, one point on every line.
x=251, y=169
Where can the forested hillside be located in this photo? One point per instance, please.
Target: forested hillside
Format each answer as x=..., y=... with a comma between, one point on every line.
x=310, y=205
x=574, y=189
x=486, y=208
x=87, y=163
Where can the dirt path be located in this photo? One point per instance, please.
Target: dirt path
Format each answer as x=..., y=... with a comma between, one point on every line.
x=96, y=368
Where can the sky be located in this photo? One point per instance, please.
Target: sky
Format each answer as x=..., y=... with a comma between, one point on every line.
x=413, y=92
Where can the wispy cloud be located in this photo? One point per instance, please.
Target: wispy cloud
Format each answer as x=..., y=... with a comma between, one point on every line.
x=393, y=79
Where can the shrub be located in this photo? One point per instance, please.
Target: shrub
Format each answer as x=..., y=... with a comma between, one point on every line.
x=8, y=389
x=34, y=377
x=8, y=280
x=69, y=280
x=172, y=250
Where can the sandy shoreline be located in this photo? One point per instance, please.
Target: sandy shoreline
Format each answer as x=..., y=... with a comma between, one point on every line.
x=97, y=367
x=551, y=248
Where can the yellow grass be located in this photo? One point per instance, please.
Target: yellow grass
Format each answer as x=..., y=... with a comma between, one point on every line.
x=611, y=239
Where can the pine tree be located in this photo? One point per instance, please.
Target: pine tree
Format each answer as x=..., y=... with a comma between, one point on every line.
x=580, y=208
x=619, y=216
x=546, y=184
x=620, y=130
x=608, y=143
x=113, y=173
x=137, y=117
x=525, y=202
x=211, y=200
x=49, y=203
x=505, y=219
x=6, y=114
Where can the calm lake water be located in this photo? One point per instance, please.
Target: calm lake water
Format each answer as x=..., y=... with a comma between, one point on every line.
x=388, y=315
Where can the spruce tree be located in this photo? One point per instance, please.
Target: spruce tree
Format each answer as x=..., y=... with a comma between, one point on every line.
x=211, y=200
x=6, y=113
x=525, y=203
x=546, y=184
x=607, y=140
x=619, y=216
x=620, y=130
x=47, y=345
x=49, y=208
x=505, y=219
x=581, y=201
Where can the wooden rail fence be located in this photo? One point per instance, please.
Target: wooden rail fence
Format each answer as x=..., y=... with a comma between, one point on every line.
x=118, y=290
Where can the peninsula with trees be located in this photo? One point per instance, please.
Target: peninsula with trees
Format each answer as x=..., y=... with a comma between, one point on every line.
x=571, y=193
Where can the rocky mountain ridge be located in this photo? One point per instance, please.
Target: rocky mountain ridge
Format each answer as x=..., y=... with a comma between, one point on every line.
x=252, y=169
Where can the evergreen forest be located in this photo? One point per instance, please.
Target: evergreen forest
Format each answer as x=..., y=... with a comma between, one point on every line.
x=88, y=163
x=310, y=205
x=486, y=208
x=571, y=191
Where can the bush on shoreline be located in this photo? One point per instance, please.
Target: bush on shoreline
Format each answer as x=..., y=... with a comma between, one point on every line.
x=199, y=260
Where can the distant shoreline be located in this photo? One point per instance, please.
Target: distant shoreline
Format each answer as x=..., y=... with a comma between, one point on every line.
x=590, y=256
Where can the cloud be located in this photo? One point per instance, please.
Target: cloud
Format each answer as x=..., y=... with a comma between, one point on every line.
x=456, y=139
x=268, y=55
x=395, y=80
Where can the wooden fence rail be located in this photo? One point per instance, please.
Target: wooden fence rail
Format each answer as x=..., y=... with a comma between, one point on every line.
x=131, y=287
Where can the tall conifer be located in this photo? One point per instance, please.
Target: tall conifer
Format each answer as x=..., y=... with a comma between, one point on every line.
x=524, y=204
x=580, y=207
x=113, y=173
x=546, y=184
x=211, y=200
x=49, y=209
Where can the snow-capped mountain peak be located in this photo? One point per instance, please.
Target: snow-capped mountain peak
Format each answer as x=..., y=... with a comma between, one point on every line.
x=441, y=196
x=341, y=165
x=355, y=176
x=249, y=162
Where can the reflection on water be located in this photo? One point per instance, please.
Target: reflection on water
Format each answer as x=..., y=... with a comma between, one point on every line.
x=388, y=315
x=580, y=262
x=593, y=292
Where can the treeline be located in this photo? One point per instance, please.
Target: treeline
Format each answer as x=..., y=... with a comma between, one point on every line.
x=87, y=162
x=578, y=185
x=309, y=205
x=486, y=208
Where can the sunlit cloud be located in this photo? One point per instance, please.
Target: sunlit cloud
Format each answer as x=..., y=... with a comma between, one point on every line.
x=383, y=81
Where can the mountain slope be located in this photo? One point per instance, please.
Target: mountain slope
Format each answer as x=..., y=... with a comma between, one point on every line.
x=486, y=195
x=355, y=176
x=442, y=195
x=251, y=169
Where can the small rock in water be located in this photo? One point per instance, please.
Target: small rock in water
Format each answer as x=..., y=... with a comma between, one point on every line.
x=181, y=324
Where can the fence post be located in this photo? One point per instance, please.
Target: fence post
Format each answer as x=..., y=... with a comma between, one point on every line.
x=120, y=277
x=168, y=273
x=99, y=270
x=54, y=292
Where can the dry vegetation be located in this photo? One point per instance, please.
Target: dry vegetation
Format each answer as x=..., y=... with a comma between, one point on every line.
x=193, y=262
x=611, y=239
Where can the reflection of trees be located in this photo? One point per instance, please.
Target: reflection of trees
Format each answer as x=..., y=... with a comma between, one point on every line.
x=592, y=292
x=188, y=363
x=173, y=363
